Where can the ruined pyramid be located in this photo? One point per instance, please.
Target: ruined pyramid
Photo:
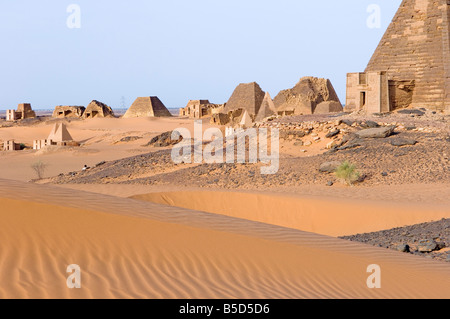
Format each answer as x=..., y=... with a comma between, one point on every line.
x=307, y=96
x=415, y=54
x=60, y=133
x=147, y=107
x=97, y=109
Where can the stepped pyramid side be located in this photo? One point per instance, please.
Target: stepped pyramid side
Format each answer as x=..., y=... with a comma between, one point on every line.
x=246, y=96
x=147, y=107
x=415, y=53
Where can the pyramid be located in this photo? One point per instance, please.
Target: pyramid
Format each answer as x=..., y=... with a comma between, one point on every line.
x=60, y=133
x=147, y=107
x=415, y=54
x=247, y=96
x=267, y=109
x=246, y=120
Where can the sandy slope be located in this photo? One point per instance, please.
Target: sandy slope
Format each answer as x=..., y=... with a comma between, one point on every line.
x=322, y=215
x=129, y=248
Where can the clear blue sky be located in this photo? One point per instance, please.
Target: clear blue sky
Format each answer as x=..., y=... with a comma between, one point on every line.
x=178, y=49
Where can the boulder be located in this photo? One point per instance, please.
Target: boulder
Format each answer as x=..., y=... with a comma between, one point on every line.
x=329, y=167
x=164, y=140
x=370, y=124
x=381, y=132
x=403, y=248
x=402, y=142
x=427, y=246
x=333, y=133
x=411, y=112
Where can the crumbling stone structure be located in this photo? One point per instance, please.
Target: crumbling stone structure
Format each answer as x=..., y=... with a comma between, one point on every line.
x=411, y=65
x=309, y=96
x=147, y=107
x=24, y=111
x=59, y=136
x=97, y=109
x=11, y=145
x=63, y=111
x=199, y=108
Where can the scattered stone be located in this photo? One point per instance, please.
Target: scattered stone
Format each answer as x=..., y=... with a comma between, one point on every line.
x=164, y=140
x=384, y=174
x=381, y=132
x=330, y=183
x=371, y=124
x=329, y=167
x=402, y=142
x=427, y=246
x=412, y=112
x=349, y=146
x=348, y=122
x=403, y=248
x=298, y=143
x=100, y=164
x=331, y=145
x=333, y=133
x=308, y=143
x=130, y=138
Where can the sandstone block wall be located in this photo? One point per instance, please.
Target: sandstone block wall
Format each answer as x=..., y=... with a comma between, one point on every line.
x=416, y=48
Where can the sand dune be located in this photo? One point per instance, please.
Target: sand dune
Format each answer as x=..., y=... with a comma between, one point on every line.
x=134, y=249
x=332, y=217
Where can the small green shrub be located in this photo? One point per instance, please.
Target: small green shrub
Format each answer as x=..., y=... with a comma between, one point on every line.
x=348, y=173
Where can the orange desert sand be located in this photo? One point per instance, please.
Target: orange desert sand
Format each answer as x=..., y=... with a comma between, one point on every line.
x=216, y=244
x=133, y=249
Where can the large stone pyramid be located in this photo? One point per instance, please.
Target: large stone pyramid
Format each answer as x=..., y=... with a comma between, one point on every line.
x=415, y=54
x=246, y=96
x=147, y=107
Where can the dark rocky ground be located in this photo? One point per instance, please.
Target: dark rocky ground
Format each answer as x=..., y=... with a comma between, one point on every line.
x=379, y=162
x=431, y=240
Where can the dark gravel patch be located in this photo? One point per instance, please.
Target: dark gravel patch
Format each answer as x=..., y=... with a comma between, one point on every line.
x=431, y=240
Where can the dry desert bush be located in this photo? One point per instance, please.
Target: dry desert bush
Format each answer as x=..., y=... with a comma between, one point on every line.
x=347, y=173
